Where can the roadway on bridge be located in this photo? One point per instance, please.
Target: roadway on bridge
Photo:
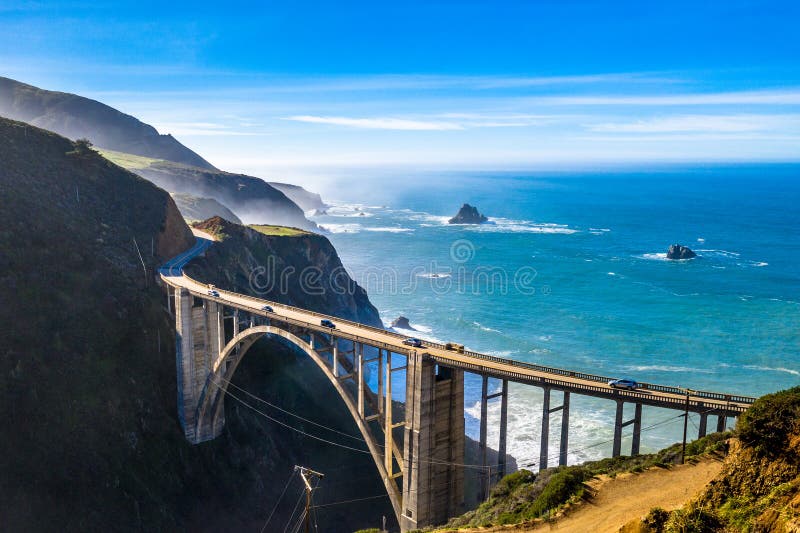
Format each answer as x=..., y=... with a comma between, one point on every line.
x=172, y=273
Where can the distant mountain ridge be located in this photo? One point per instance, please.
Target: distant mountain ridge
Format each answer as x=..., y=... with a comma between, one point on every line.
x=139, y=147
x=77, y=117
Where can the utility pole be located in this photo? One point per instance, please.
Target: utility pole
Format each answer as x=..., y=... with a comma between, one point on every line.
x=685, y=424
x=307, y=474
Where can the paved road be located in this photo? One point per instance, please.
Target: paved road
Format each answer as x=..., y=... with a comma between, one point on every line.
x=573, y=381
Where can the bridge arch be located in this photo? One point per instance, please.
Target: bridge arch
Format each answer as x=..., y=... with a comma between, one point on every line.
x=211, y=407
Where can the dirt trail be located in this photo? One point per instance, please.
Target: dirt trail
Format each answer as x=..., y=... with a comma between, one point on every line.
x=627, y=497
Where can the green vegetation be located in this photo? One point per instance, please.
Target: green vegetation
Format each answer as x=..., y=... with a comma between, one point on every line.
x=278, y=231
x=759, y=486
x=524, y=496
x=129, y=161
x=768, y=425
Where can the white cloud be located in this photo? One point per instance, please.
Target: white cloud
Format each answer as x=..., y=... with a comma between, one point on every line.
x=785, y=97
x=701, y=123
x=379, y=123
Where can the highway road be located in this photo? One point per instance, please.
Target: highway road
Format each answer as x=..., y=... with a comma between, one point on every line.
x=517, y=371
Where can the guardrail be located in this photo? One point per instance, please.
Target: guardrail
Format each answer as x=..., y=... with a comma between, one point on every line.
x=695, y=394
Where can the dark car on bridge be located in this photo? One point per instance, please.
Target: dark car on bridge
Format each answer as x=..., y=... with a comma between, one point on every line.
x=413, y=342
x=268, y=309
x=624, y=383
x=327, y=323
x=213, y=293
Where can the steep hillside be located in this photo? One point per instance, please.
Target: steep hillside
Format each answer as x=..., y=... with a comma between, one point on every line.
x=759, y=486
x=305, y=199
x=280, y=267
x=90, y=439
x=251, y=199
x=196, y=208
x=77, y=117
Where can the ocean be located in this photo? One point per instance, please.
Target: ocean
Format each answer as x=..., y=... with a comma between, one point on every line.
x=571, y=272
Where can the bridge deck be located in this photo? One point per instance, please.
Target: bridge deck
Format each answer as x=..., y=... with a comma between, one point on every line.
x=517, y=371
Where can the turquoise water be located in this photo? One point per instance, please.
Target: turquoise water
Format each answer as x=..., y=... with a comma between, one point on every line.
x=571, y=273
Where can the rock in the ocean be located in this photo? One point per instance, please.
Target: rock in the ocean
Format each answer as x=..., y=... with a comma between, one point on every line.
x=468, y=215
x=402, y=323
x=677, y=251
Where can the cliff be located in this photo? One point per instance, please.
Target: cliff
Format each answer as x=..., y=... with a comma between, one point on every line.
x=77, y=117
x=305, y=199
x=90, y=439
x=295, y=267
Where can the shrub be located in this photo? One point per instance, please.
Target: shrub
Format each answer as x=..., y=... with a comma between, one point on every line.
x=767, y=424
x=656, y=519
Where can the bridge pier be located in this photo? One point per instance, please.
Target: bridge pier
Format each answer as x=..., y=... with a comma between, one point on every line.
x=703, y=427
x=545, y=437
x=721, y=421
x=433, y=483
x=619, y=424
x=199, y=341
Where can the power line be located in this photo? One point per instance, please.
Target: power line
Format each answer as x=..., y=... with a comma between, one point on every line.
x=278, y=502
x=309, y=435
x=231, y=384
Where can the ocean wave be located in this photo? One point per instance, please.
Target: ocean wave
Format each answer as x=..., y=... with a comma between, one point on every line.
x=773, y=369
x=666, y=368
x=342, y=228
x=390, y=229
x=434, y=275
x=761, y=264
x=497, y=225
x=486, y=328
x=723, y=253
x=656, y=256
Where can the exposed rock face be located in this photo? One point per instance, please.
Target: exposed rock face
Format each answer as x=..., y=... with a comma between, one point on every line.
x=77, y=117
x=468, y=215
x=273, y=267
x=677, y=251
x=402, y=323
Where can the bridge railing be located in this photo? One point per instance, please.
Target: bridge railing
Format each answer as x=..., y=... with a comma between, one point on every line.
x=678, y=391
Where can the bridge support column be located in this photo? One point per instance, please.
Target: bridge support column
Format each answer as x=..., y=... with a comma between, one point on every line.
x=619, y=425
x=433, y=484
x=617, y=448
x=721, y=421
x=359, y=368
x=484, y=492
x=380, y=381
x=501, y=447
x=701, y=431
x=564, y=443
x=184, y=355
x=545, y=438
x=637, y=429
x=335, y=357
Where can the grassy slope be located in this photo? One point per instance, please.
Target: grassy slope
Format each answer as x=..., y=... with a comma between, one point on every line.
x=278, y=231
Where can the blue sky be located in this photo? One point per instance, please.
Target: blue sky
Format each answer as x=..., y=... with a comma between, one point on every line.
x=294, y=87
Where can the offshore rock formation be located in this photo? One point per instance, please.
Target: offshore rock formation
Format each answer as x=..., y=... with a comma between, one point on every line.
x=468, y=215
x=677, y=251
x=402, y=323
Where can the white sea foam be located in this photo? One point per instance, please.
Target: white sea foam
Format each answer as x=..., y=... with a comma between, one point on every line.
x=723, y=253
x=342, y=228
x=701, y=239
x=773, y=369
x=666, y=368
x=486, y=328
x=433, y=275
x=761, y=264
x=655, y=256
x=390, y=229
